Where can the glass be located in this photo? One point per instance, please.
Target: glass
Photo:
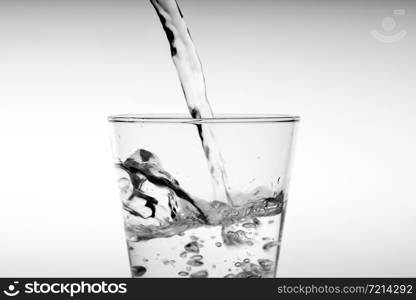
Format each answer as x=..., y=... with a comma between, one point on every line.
x=176, y=224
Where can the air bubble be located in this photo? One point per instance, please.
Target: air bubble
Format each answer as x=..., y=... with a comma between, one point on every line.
x=249, y=225
x=197, y=257
x=168, y=262
x=200, y=274
x=269, y=245
x=194, y=263
x=266, y=264
x=123, y=184
x=192, y=247
x=138, y=271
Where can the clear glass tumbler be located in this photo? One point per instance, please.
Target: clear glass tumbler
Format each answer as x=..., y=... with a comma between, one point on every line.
x=177, y=222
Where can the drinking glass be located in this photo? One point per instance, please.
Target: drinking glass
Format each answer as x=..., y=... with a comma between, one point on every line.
x=181, y=221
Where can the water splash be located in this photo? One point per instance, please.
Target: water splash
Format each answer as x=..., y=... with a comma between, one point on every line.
x=156, y=205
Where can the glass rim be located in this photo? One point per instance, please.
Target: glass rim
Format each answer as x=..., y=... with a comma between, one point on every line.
x=218, y=118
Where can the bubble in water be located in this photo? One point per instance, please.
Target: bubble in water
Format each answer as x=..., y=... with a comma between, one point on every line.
x=192, y=247
x=168, y=262
x=183, y=273
x=237, y=264
x=247, y=260
x=241, y=233
x=253, y=269
x=231, y=238
x=194, y=238
x=194, y=263
x=249, y=225
x=247, y=275
x=197, y=257
x=218, y=244
x=200, y=274
x=183, y=254
x=269, y=245
x=138, y=271
x=229, y=275
x=123, y=184
x=252, y=224
x=266, y=264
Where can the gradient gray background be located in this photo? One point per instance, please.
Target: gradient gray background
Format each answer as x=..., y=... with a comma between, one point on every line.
x=66, y=65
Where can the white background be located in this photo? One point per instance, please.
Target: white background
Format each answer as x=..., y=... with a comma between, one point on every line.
x=66, y=65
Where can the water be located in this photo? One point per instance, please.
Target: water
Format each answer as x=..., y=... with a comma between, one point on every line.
x=171, y=233
x=189, y=68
